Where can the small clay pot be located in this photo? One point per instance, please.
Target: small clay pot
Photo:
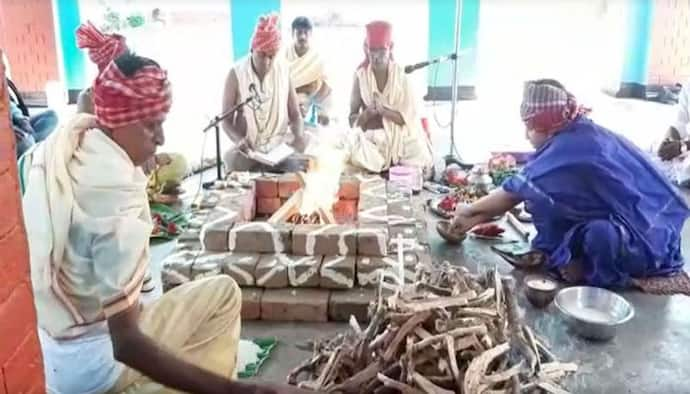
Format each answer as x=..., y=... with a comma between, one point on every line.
x=540, y=290
x=443, y=228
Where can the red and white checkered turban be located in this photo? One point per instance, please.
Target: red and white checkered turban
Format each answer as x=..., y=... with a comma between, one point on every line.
x=266, y=36
x=546, y=107
x=103, y=48
x=120, y=100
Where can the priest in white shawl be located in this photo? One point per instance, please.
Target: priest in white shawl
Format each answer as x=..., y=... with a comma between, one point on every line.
x=88, y=226
x=265, y=123
x=308, y=74
x=386, y=128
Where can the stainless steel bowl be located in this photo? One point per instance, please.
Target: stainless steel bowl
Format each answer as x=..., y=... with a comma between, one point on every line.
x=592, y=312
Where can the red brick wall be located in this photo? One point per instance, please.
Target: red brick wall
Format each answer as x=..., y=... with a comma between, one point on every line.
x=27, y=35
x=21, y=366
x=670, y=51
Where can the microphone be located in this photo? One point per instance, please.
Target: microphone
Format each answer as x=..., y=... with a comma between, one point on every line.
x=417, y=66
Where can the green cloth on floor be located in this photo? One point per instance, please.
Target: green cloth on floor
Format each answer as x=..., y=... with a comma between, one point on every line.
x=168, y=222
x=265, y=348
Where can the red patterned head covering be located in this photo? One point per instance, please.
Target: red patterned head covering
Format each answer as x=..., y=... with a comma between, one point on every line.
x=103, y=48
x=546, y=107
x=120, y=100
x=266, y=36
x=379, y=36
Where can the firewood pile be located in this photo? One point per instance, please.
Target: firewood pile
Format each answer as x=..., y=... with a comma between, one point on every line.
x=448, y=332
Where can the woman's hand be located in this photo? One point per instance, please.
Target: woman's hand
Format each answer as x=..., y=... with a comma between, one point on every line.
x=464, y=220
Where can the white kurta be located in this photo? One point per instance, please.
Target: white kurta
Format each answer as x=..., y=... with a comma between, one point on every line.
x=267, y=122
x=394, y=144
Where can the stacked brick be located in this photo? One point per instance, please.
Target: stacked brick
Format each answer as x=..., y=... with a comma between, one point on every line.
x=304, y=272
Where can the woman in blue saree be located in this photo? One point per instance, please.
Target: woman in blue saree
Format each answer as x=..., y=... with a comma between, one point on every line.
x=604, y=214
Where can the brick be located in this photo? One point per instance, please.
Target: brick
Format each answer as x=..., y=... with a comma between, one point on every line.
x=15, y=257
x=373, y=186
x=354, y=302
x=304, y=271
x=266, y=186
x=349, y=188
x=267, y=206
x=9, y=201
x=260, y=237
x=206, y=265
x=241, y=267
x=181, y=262
x=24, y=370
x=272, y=271
x=308, y=305
x=251, y=303
x=378, y=214
x=337, y=272
x=241, y=200
x=214, y=233
x=288, y=184
x=17, y=315
x=198, y=218
x=372, y=240
x=330, y=239
x=368, y=202
x=369, y=268
x=345, y=211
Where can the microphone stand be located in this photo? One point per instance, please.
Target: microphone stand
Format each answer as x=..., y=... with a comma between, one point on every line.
x=215, y=124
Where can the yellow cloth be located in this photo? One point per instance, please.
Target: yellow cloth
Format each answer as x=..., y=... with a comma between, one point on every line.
x=267, y=122
x=198, y=322
x=305, y=69
x=395, y=144
x=88, y=225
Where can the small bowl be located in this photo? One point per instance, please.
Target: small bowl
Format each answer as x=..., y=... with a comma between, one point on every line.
x=540, y=290
x=443, y=230
x=592, y=312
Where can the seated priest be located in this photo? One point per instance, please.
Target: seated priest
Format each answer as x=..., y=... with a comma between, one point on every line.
x=88, y=226
x=387, y=130
x=307, y=74
x=605, y=215
x=266, y=122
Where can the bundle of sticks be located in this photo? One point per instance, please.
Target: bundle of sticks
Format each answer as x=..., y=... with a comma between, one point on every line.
x=448, y=332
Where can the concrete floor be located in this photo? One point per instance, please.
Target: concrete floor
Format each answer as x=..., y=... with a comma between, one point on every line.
x=647, y=356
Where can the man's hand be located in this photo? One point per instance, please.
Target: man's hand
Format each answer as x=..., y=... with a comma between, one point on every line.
x=245, y=146
x=300, y=143
x=670, y=149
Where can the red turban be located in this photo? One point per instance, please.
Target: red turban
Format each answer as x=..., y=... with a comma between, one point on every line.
x=120, y=100
x=546, y=107
x=266, y=36
x=379, y=35
x=103, y=48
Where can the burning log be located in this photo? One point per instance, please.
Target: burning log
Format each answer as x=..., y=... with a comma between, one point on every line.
x=449, y=332
x=298, y=218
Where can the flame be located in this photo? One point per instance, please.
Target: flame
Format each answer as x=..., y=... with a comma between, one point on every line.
x=322, y=183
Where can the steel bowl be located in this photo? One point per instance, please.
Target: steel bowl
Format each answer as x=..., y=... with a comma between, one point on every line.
x=540, y=290
x=592, y=312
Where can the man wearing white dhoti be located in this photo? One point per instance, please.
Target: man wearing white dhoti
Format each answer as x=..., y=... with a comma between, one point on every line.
x=262, y=125
x=386, y=129
x=307, y=73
